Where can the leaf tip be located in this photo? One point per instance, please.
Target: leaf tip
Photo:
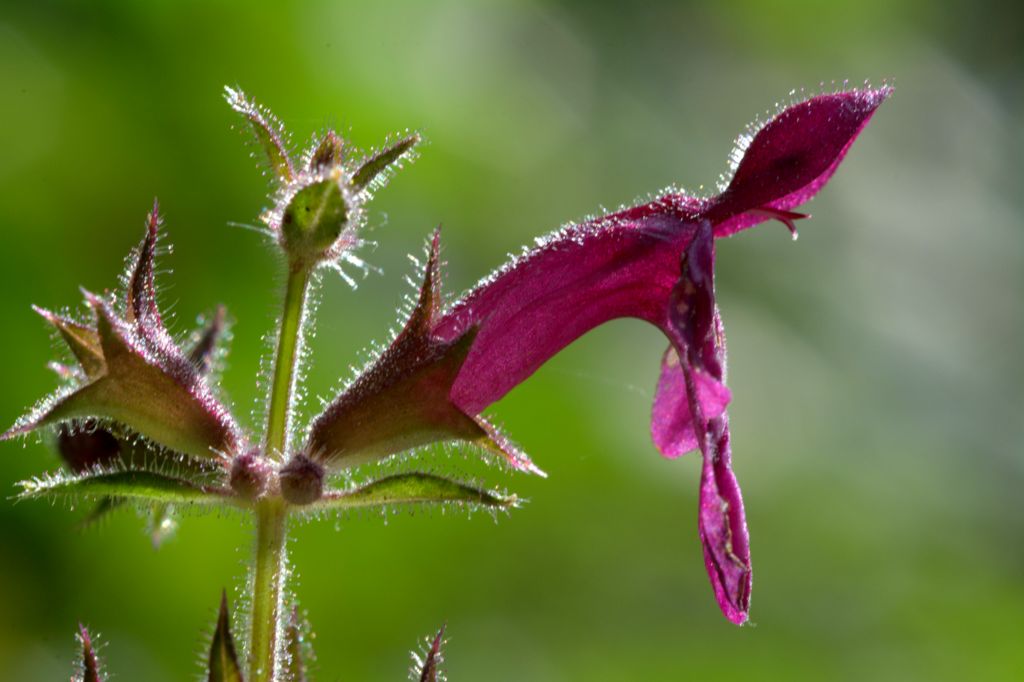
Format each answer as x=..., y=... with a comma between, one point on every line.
x=428, y=668
x=223, y=661
x=89, y=663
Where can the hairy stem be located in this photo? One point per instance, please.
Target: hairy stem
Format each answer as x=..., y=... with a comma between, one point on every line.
x=267, y=585
x=288, y=340
x=271, y=520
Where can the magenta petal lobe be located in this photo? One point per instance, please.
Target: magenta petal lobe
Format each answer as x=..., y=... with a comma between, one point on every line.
x=723, y=528
x=721, y=523
x=671, y=421
x=792, y=157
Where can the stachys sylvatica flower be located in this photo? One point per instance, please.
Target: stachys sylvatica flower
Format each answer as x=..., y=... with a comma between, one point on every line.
x=652, y=262
x=140, y=417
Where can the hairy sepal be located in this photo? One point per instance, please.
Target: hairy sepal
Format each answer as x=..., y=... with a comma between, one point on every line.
x=266, y=130
x=222, y=662
x=374, y=168
x=87, y=446
x=82, y=340
x=403, y=400
x=174, y=408
x=136, y=375
x=89, y=670
x=427, y=668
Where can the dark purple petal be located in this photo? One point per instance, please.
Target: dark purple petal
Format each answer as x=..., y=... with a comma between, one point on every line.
x=723, y=527
x=697, y=326
x=692, y=312
x=653, y=262
x=792, y=157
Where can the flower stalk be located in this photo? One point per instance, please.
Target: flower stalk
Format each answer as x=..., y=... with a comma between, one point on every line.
x=271, y=517
x=289, y=341
x=267, y=589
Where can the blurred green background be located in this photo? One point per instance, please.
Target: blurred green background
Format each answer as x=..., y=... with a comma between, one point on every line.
x=875, y=363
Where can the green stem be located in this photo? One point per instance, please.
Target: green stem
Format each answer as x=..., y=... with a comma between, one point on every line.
x=266, y=589
x=271, y=526
x=284, y=364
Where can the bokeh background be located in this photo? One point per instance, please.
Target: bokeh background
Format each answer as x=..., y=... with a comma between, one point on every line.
x=876, y=363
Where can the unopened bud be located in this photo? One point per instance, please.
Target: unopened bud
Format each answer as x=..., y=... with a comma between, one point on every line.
x=302, y=480
x=330, y=152
x=250, y=474
x=314, y=218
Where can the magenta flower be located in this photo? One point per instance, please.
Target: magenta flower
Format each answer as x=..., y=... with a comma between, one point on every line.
x=654, y=262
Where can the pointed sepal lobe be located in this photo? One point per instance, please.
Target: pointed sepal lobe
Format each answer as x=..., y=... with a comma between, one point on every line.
x=427, y=668
x=90, y=666
x=374, y=167
x=266, y=130
x=223, y=660
x=143, y=388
